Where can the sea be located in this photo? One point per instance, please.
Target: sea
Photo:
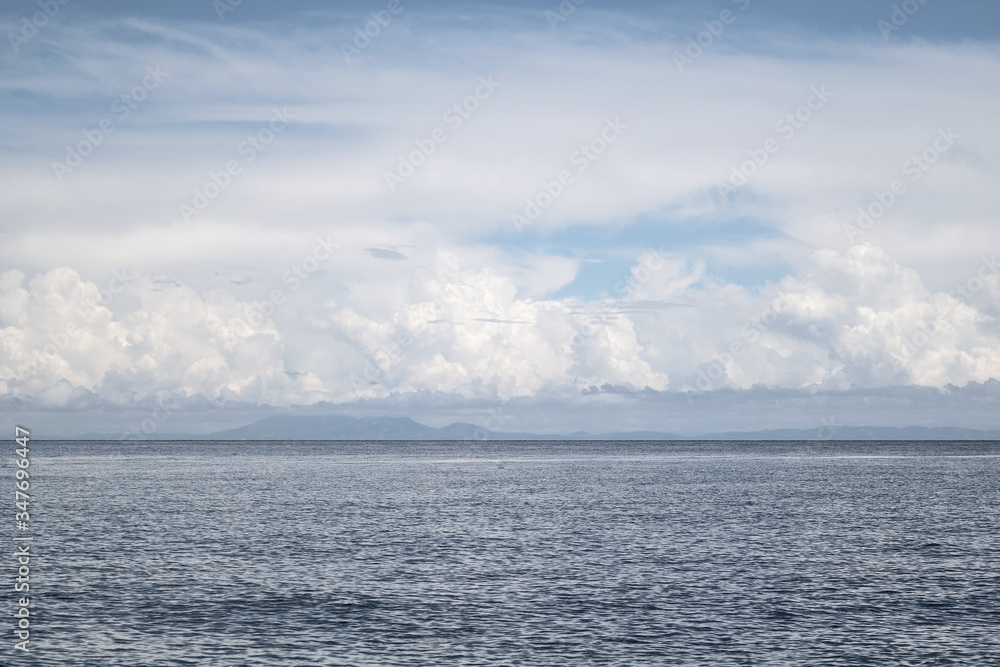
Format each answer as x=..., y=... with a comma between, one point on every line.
x=509, y=553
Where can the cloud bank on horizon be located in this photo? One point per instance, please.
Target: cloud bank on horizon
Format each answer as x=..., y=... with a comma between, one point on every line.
x=571, y=204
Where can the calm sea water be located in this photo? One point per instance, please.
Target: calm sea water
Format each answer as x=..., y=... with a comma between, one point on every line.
x=512, y=553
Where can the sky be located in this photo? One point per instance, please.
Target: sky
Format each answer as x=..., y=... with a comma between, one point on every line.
x=530, y=216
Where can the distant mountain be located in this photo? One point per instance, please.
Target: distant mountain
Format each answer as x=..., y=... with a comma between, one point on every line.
x=329, y=428
x=837, y=432
x=118, y=436
x=339, y=428
x=404, y=428
x=351, y=428
x=629, y=435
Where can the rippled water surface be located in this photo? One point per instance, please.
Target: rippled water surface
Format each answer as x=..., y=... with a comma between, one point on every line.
x=553, y=553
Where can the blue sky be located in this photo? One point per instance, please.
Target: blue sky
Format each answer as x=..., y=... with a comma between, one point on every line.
x=964, y=19
x=500, y=206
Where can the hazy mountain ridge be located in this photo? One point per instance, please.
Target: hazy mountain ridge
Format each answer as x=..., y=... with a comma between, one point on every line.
x=403, y=428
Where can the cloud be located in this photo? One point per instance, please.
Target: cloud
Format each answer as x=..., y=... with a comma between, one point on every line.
x=434, y=291
x=56, y=331
x=386, y=253
x=856, y=319
x=352, y=123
